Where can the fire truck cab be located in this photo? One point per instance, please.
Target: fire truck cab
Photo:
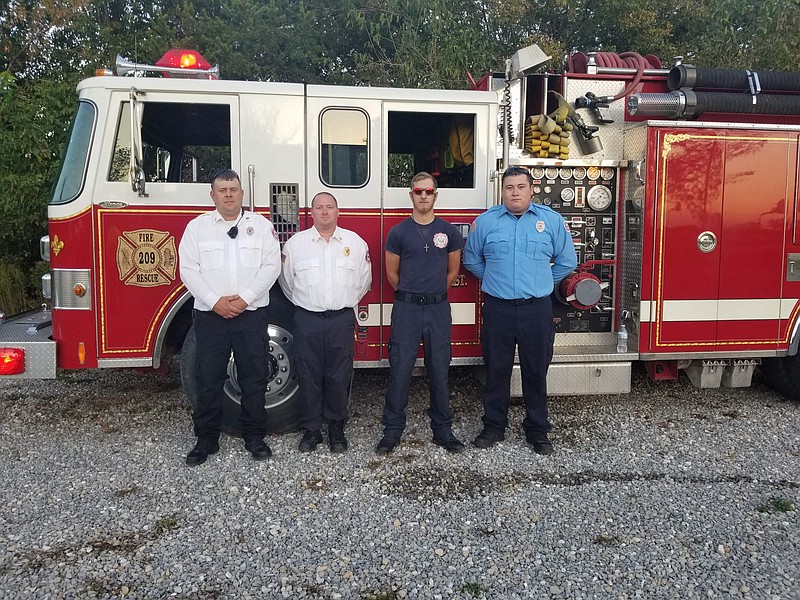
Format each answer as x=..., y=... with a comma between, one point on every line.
x=685, y=223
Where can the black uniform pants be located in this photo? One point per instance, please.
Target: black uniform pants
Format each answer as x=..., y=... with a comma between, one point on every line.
x=530, y=327
x=410, y=324
x=247, y=337
x=323, y=353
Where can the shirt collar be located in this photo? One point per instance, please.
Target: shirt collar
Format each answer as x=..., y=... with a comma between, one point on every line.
x=216, y=217
x=504, y=210
x=315, y=236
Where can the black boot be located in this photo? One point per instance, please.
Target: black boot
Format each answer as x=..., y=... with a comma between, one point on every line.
x=201, y=450
x=310, y=441
x=336, y=439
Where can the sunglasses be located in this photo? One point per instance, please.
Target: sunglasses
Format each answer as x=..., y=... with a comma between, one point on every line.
x=418, y=191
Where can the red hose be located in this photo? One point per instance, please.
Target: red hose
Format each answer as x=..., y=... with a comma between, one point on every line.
x=625, y=60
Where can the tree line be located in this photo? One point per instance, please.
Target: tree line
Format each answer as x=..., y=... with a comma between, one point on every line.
x=47, y=46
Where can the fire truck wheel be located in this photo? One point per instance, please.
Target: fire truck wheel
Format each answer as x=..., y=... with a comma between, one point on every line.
x=281, y=396
x=783, y=375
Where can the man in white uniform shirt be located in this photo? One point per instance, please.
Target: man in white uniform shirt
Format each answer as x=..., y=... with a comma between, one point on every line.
x=229, y=259
x=326, y=271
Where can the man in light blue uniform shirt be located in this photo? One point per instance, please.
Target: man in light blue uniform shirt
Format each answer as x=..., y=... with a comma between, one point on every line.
x=519, y=251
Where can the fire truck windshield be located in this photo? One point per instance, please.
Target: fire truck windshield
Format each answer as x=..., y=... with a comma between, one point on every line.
x=73, y=168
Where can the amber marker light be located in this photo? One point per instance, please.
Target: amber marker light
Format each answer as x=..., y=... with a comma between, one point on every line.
x=12, y=361
x=81, y=353
x=79, y=290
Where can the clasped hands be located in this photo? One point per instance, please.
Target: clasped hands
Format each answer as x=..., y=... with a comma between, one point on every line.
x=229, y=307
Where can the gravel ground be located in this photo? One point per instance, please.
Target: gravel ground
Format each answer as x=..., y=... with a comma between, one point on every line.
x=669, y=492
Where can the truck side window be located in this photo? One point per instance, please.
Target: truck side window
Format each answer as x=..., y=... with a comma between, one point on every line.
x=76, y=155
x=182, y=142
x=443, y=144
x=343, y=147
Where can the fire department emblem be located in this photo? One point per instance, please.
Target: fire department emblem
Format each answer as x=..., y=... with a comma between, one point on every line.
x=146, y=257
x=347, y=250
x=440, y=240
x=540, y=226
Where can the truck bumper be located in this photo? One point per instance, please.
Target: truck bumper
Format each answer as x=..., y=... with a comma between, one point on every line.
x=31, y=332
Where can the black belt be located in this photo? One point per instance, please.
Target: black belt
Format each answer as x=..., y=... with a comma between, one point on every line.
x=326, y=314
x=420, y=298
x=516, y=301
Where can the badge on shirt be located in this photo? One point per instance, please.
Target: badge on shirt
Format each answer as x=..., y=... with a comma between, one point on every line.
x=566, y=226
x=440, y=240
x=275, y=234
x=250, y=231
x=540, y=226
x=367, y=256
x=347, y=250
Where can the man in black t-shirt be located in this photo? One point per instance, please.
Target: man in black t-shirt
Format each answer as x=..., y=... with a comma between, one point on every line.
x=423, y=256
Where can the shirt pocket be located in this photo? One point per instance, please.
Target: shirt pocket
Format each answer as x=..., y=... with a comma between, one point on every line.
x=307, y=272
x=212, y=255
x=496, y=247
x=250, y=253
x=345, y=272
x=540, y=250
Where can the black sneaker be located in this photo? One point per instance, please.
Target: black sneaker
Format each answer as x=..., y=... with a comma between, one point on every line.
x=336, y=439
x=310, y=441
x=540, y=442
x=488, y=438
x=449, y=442
x=387, y=445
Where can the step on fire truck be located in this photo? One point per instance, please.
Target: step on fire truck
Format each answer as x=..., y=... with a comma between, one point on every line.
x=679, y=185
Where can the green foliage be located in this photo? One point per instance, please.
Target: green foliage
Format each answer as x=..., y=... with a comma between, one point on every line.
x=33, y=120
x=12, y=289
x=777, y=505
x=47, y=46
x=473, y=589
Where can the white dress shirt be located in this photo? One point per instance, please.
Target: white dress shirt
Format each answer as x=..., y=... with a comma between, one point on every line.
x=320, y=275
x=213, y=265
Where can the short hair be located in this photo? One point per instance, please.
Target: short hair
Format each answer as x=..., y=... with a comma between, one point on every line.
x=514, y=171
x=318, y=194
x=424, y=175
x=225, y=174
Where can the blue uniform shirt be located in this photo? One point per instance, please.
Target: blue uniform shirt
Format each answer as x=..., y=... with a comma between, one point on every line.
x=512, y=256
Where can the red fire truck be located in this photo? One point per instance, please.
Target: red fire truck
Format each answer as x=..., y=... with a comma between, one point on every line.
x=679, y=185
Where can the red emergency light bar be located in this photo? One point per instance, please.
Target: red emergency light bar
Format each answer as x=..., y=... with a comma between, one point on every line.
x=175, y=63
x=12, y=361
x=183, y=59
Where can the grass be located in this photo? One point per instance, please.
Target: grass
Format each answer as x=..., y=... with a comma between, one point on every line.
x=166, y=524
x=473, y=589
x=390, y=595
x=774, y=505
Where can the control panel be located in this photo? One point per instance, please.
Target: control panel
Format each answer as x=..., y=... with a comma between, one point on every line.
x=587, y=197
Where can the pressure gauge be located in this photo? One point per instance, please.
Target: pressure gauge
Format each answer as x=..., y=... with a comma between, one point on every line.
x=565, y=172
x=593, y=173
x=537, y=172
x=607, y=173
x=551, y=172
x=536, y=199
x=579, y=173
x=567, y=194
x=599, y=197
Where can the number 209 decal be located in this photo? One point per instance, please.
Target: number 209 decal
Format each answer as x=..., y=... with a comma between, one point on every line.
x=146, y=257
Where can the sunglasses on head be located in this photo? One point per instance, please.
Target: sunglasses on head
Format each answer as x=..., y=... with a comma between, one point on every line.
x=418, y=191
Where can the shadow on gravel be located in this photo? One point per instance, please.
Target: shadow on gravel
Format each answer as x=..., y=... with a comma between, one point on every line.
x=103, y=396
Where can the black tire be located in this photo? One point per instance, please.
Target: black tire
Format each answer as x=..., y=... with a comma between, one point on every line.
x=281, y=398
x=783, y=375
